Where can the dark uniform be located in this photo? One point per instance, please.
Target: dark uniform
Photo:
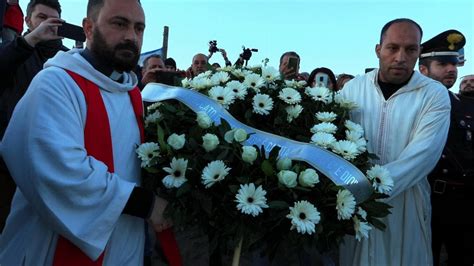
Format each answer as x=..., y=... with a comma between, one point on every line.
x=452, y=180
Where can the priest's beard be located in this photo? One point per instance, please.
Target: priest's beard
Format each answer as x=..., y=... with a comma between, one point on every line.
x=122, y=58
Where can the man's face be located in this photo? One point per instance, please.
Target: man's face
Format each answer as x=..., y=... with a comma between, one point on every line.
x=154, y=62
x=398, y=52
x=39, y=14
x=466, y=87
x=116, y=36
x=199, y=64
x=285, y=61
x=444, y=72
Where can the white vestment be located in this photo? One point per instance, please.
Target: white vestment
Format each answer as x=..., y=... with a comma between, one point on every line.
x=407, y=133
x=62, y=190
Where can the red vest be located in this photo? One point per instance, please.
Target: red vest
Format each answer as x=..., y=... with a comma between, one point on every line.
x=98, y=143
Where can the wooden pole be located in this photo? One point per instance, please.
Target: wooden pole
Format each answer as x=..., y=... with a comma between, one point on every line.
x=165, y=42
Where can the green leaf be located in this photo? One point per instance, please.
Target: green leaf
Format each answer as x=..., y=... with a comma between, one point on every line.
x=267, y=168
x=183, y=189
x=278, y=204
x=377, y=223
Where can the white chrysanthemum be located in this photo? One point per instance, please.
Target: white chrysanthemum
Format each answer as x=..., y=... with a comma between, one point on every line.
x=214, y=171
x=344, y=103
x=381, y=179
x=210, y=142
x=200, y=83
x=227, y=68
x=326, y=116
x=319, y=94
x=254, y=81
x=270, y=74
x=176, y=141
x=262, y=104
x=222, y=95
x=237, y=88
x=152, y=118
x=288, y=178
x=289, y=96
x=325, y=127
x=308, y=178
x=304, y=217
x=345, y=204
x=186, y=83
x=219, y=78
x=361, y=228
x=295, y=84
x=354, y=127
x=249, y=154
x=293, y=111
x=323, y=140
x=346, y=149
x=203, y=120
x=177, y=173
x=251, y=200
x=241, y=73
x=146, y=152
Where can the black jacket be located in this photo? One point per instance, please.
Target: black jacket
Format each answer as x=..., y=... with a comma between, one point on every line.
x=19, y=63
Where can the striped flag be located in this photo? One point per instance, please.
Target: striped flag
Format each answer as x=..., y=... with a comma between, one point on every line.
x=147, y=54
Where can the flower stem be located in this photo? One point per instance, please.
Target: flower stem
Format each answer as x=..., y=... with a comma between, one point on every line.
x=238, y=249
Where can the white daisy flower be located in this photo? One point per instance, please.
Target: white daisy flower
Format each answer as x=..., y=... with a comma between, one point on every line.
x=323, y=140
x=262, y=104
x=254, y=81
x=177, y=173
x=222, y=95
x=293, y=111
x=346, y=149
x=326, y=116
x=251, y=200
x=200, y=83
x=152, y=118
x=361, y=228
x=362, y=213
x=219, y=78
x=146, y=152
x=237, y=88
x=325, y=127
x=354, y=127
x=381, y=179
x=214, y=171
x=357, y=138
x=206, y=74
x=154, y=106
x=345, y=204
x=240, y=73
x=176, y=141
x=289, y=96
x=319, y=94
x=344, y=103
x=308, y=178
x=304, y=217
x=295, y=84
x=270, y=74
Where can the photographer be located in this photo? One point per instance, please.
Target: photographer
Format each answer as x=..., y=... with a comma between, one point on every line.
x=290, y=66
x=154, y=70
x=213, y=49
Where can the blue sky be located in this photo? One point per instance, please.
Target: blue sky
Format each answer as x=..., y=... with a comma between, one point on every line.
x=338, y=34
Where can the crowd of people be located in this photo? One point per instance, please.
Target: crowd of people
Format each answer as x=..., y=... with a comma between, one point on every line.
x=71, y=119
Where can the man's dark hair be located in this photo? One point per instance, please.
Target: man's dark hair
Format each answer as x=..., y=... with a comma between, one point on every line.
x=93, y=7
x=399, y=20
x=170, y=62
x=425, y=62
x=291, y=53
x=145, y=62
x=54, y=4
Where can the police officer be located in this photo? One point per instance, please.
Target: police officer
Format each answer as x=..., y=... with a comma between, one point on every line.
x=452, y=179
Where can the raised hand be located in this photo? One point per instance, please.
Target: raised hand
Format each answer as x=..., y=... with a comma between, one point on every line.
x=157, y=220
x=46, y=31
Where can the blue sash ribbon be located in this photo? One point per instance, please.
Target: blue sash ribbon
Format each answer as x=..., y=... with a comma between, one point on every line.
x=336, y=168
